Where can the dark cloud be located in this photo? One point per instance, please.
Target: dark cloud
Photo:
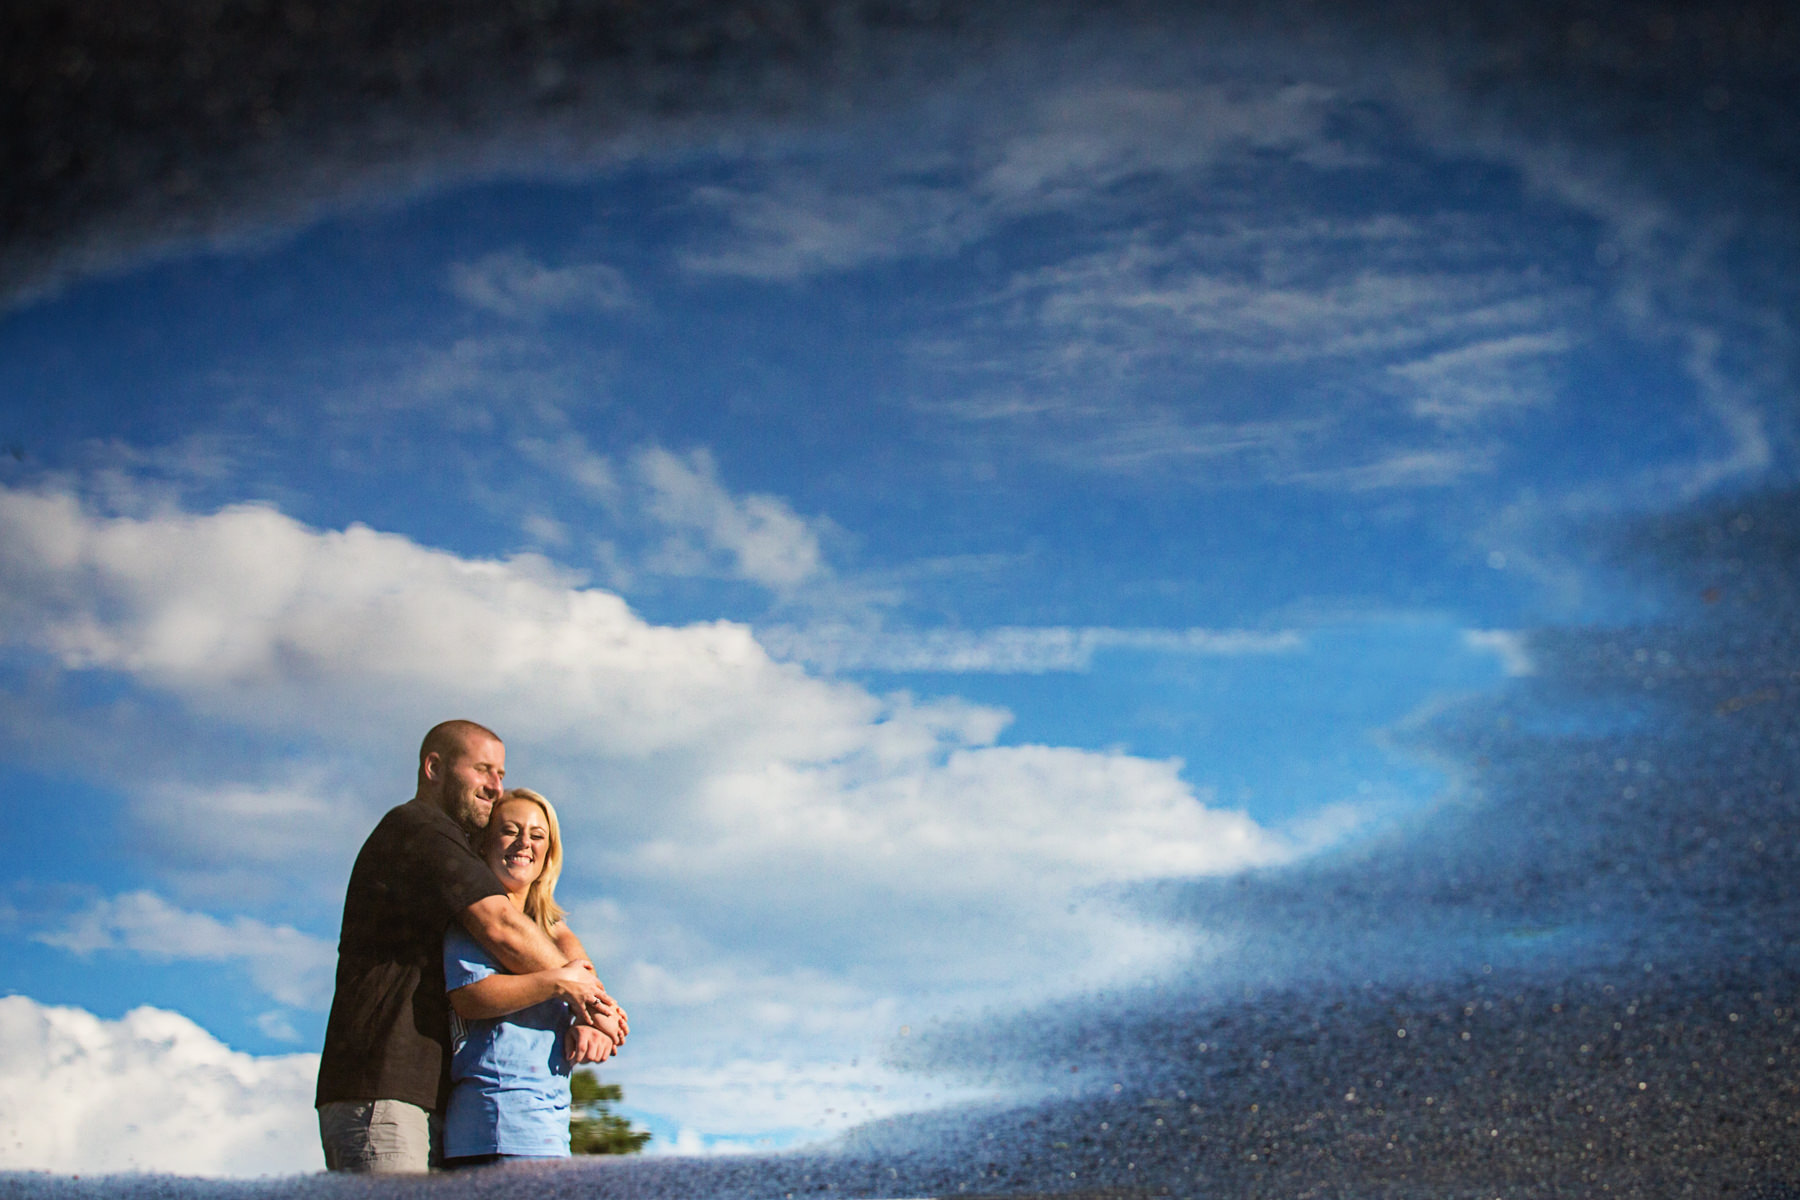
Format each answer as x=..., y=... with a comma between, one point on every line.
x=129, y=127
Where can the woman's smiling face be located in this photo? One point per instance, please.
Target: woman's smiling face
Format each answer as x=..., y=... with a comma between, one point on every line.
x=516, y=843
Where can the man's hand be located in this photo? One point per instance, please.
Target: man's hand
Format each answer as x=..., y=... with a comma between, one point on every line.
x=585, y=1044
x=601, y=1012
x=576, y=984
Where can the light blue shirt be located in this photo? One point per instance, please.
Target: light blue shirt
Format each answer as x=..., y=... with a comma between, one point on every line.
x=509, y=1080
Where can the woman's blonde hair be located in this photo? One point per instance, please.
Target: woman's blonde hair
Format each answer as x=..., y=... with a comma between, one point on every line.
x=540, y=898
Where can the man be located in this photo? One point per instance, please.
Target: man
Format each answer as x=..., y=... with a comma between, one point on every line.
x=384, y=1075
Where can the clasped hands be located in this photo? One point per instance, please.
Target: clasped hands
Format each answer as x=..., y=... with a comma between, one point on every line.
x=600, y=1024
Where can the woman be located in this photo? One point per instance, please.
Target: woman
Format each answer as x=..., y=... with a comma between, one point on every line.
x=509, y=1096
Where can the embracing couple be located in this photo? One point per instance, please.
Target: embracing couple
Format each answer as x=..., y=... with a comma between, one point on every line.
x=463, y=999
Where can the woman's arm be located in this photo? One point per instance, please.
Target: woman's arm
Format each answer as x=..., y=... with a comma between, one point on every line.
x=502, y=995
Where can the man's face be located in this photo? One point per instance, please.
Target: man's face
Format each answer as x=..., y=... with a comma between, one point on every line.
x=470, y=779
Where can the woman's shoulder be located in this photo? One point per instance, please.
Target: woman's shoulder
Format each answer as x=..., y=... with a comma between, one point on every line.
x=460, y=947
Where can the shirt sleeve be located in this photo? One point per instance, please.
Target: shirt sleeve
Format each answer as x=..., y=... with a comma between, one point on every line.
x=465, y=962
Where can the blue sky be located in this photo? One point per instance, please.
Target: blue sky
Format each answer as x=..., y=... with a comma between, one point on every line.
x=886, y=539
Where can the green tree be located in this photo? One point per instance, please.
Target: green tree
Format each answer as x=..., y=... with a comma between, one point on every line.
x=593, y=1126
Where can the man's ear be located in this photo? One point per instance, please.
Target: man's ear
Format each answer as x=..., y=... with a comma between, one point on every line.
x=432, y=767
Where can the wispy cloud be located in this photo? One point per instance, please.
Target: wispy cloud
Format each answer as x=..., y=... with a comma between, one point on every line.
x=1733, y=404
x=1012, y=650
x=292, y=967
x=1266, y=348
x=794, y=229
x=1287, y=292
x=1057, y=150
x=1673, y=282
x=511, y=285
x=1423, y=468
x=1461, y=385
x=569, y=457
x=1508, y=645
x=763, y=539
x=678, y=517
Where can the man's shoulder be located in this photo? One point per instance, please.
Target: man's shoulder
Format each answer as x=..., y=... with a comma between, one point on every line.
x=415, y=816
x=412, y=829
x=419, y=851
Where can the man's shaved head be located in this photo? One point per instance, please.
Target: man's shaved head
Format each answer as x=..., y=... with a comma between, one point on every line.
x=461, y=766
x=449, y=739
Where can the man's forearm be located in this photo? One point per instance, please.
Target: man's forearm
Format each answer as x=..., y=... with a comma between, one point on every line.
x=568, y=943
x=513, y=938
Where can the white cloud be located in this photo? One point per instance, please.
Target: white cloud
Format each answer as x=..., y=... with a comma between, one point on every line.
x=1150, y=435
x=787, y=855
x=151, y=1091
x=690, y=1142
x=1013, y=820
x=808, y=1050
x=1009, y=650
x=460, y=386
x=763, y=539
x=292, y=967
x=543, y=530
x=253, y=618
x=511, y=285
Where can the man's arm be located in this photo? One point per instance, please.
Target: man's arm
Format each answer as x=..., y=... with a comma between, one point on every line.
x=513, y=938
x=586, y=1044
x=568, y=943
x=517, y=944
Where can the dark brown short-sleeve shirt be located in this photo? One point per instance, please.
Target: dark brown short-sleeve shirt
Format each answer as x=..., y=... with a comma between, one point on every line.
x=388, y=1036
